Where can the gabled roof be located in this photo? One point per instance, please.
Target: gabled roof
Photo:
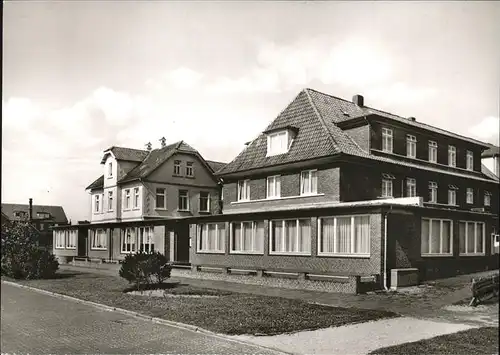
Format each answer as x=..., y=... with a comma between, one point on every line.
x=316, y=115
x=56, y=212
x=97, y=184
x=128, y=154
x=215, y=165
x=492, y=151
x=489, y=173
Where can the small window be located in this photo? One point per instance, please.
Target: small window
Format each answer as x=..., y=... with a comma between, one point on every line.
x=136, y=197
x=189, y=169
x=386, y=188
x=433, y=147
x=472, y=238
x=487, y=198
x=110, y=170
x=204, y=201
x=161, y=198
x=244, y=190
x=387, y=140
x=452, y=197
x=183, y=200
x=411, y=187
x=470, y=195
x=411, y=146
x=470, y=160
x=177, y=167
x=71, y=236
x=60, y=239
x=126, y=204
x=146, y=239
x=99, y=239
x=277, y=143
x=452, y=156
x=433, y=190
x=110, y=201
x=273, y=187
x=309, y=182
x=97, y=206
x=128, y=241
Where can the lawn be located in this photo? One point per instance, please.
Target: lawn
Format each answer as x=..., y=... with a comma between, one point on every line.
x=473, y=341
x=230, y=313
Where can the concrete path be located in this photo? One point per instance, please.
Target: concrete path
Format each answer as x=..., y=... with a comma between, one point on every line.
x=41, y=324
x=358, y=338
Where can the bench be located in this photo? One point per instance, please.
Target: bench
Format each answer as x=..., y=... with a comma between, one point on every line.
x=483, y=289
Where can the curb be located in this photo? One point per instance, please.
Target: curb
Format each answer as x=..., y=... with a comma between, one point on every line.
x=178, y=325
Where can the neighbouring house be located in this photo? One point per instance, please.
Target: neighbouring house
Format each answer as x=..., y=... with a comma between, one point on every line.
x=333, y=187
x=490, y=159
x=137, y=189
x=42, y=217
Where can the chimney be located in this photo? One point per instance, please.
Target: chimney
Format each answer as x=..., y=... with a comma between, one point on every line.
x=30, y=213
x=148, y=146
x=163, y=142
x=359, y=100
x=412, y=119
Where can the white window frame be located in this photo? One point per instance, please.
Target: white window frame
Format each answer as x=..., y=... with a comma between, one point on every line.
x=271, y=252
x=127, y=204
x=387, y=188
x=469, y=160
x=312, y=176
x=97, y=204
x=95, y=234
x=387, y=140
x=452, y=156
x=452, y=193
x=475, y=252
x=440, y=254
x=433, y=151
x=487, y=198
x=335, y=253
x=200, y=228
x=433, y=192
x=177, y=167
x=189, y=169
x=469, y=195
x=243, y=190
x=136, y=200
x=71, y=238
x=146, y=236
x=284, y=143
x=110, y=170
x=275, y=182
x=256, y=249
x=110, y=201
x=162, y=192
x=128, y=235
x=411, y=186
x=208, y=201
x=411, y=146
x=179, y=200
x=60, y=241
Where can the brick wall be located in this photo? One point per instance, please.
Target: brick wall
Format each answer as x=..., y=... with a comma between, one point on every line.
x=361, y=135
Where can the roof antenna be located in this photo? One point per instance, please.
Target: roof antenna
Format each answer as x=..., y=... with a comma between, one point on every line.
x=149, y=146
x=163, y=142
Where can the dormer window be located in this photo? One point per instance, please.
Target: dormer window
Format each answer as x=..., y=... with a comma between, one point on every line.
x=110, y=170
x=43, y=215
x=277, y=143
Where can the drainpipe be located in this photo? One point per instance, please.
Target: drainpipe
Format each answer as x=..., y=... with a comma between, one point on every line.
x=385, y=249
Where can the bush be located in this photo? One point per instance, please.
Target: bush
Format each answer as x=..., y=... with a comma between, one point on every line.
x=21, y=256
x=145, y=268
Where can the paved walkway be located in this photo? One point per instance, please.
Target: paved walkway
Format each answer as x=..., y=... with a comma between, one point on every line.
x=41, y=324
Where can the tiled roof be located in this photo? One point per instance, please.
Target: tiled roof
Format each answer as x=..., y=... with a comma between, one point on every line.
x=215, y=165
x=97, y=184
x=489, y=173
x=492, y=151
x=56, y=212
x=128, y=154
x=315, y=115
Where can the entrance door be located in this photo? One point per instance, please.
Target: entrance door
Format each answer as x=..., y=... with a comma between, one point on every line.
x=82, y=243
x=182, y=243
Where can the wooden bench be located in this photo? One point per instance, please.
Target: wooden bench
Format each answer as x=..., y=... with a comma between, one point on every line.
x=483, y=289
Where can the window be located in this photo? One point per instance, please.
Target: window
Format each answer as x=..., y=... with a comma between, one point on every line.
x=247, y=237
x=471, y=238
x=177, y=167
x=183, y=200
x=433, y=192
x=97, y=203
x=411, y=146
x=469, y=195
x=161, y=198
x=110, y=170
x=436, y=237
x=71, y=239
x=146, y=239
x=20, y=214
x=277, y=143
x=126, y=204
x=452, y=156
x=99, y=240
x=204, y=201
x=128, y=241
x=42, y=226
x=346, y=235
x=387, y=140
x=43, y=215
x=273, y=186
x=433, y=151
x=244, y=190
x=212, y=237
x=487, y=198
x=292, y=236
x=411, y=187
x=309, y=182
x=136, y=197
x=60, y=239
x=189, y=168
x=110, y=201
x=452, y=197
x=386, y=188
x=470, y=160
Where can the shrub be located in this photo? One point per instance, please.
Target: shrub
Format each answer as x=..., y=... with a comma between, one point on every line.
x=145, y=268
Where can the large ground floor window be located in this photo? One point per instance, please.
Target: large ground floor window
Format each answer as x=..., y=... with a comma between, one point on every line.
x=471, y=238
x=71, y=236
x=247, y=237
x=212, y=237
x=344, y=236
x=290, y=236
x=146, y=239
x=128, y=242
x=99, y=239
x=60, y=239
x=436, y=237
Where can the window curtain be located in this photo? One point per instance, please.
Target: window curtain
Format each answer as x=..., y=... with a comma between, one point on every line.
x=446, y=237
x=362, y=235
x=344, y=235
x=479, y=238
x=461, y=238
x=277, y=229
x=221, y=230
x=304, y=182
x=212, y=237
x=290, y=236
x=304, y=235
x=237, y=236
x=247, y=236
x=314, y=182
x=425, y=237
x=435, y=236
x=204, y=236
x=470, y=237
x=327, y=235
x=259, y=236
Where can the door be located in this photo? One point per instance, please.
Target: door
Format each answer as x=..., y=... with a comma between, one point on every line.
x=82, y=243
x=182, y=243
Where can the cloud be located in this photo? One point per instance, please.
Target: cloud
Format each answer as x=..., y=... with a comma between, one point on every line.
x=180, y=78
x=399, y=93
x=487, y=130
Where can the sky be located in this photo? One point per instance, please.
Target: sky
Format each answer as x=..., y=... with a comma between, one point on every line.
x=81, y=76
